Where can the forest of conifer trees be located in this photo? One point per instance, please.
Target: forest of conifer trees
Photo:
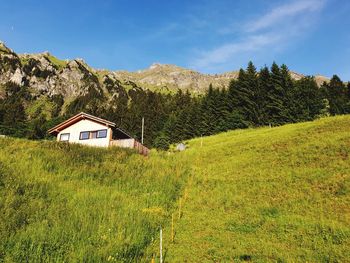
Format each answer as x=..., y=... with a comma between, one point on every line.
x=256, y=98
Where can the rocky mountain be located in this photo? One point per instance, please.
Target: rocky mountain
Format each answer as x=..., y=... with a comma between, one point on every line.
x=45, y=74
x=172, y=76
x=318, y=78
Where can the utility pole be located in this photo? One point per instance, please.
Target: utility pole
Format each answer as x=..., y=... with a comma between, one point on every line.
x=143, y=124
x=160, y=246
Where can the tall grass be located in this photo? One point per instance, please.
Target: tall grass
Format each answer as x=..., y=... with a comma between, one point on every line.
x=67, y=203
x=268, y=195
x=264, y=195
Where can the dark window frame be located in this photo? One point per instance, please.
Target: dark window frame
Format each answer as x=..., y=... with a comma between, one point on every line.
x=67, y=133
x=80, y=137
x=97, y=134
x=101, y=137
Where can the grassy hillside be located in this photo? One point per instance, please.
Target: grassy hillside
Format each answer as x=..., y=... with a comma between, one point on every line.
x=280, y=195
x=61, y=203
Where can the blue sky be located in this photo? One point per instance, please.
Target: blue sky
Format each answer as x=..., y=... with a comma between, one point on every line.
x=310, y=36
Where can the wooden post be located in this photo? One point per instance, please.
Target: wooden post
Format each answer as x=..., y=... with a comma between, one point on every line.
x=172, y=227
x=180, y=203
x=160, y=246
x=152, y=260
x=201, y=140
x=142, y=129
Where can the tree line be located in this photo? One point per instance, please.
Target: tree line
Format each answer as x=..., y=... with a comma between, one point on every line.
x=256, y=98
x=268, y=97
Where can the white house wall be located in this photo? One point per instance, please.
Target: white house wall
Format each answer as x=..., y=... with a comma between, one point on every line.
x=87, y=125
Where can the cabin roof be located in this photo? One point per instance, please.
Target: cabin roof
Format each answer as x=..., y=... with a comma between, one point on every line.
x=78, y=117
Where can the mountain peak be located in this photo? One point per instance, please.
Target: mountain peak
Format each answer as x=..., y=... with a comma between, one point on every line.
x=155, y=65
x=160, y=66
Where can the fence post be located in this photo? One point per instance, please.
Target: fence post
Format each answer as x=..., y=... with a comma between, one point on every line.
x=160, y=246
x=172, y=227
x=180, y=203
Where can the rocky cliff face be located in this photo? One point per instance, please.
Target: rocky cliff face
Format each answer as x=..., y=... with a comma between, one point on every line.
x=45, y=74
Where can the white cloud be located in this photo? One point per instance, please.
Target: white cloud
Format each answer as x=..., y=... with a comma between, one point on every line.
x=283, y=12
x=270, y=32
x=222, y=53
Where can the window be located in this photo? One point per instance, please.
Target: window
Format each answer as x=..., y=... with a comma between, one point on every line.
x=102, y=134
x=64, y=137
x=84, y=135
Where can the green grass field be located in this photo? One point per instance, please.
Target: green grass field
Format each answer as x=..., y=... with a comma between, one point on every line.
x=268, y=195
x=62, y=203
x=261, y=195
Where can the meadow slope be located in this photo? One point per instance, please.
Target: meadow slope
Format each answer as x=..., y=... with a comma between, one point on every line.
x=265, y=195
x=268, y=195
x=68, y=203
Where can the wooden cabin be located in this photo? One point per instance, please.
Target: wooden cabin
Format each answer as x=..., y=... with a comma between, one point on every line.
x=89, y=130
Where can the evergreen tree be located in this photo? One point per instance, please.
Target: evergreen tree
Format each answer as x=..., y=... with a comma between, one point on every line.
x=275, y=108
x=37, y=128
x=169, y=130
x=222, y=112
x=14, y=115
x=289, y=103
x=308, y=103
x=12, y=110
x=207, y=118
x=265, y=88
x=243, y=94
x=336, y=93
x=347, y=104
x=162, y=141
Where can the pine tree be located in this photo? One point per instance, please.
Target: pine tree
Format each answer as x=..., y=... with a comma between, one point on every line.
x=275, y=107
x=265, y=87
x=251, y=85
x=336, y=93
x=169, y=129
x=222, y=112
x=347, y=105
x=13, y=110
x=37, y=129
x=243, y=94
x=289, y=103
x=15, y=97
x=207, y=112
x=308, y=100
x=162, y=141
